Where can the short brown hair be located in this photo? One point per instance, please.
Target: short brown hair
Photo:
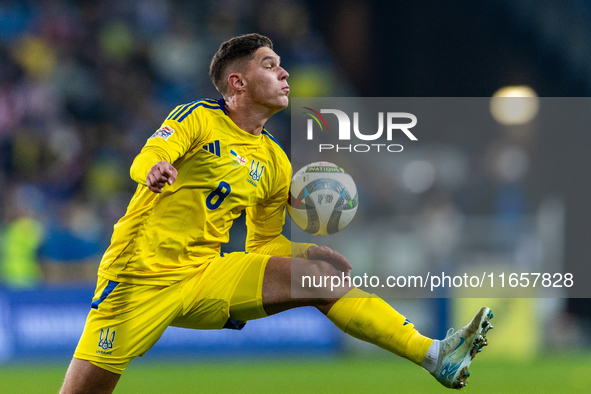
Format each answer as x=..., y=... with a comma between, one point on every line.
x=237, y=48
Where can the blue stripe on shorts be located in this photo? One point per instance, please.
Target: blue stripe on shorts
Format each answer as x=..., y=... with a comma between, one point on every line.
x=108, y=290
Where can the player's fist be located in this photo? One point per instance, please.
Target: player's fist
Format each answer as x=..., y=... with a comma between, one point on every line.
x=332, y=257
x=159, y=175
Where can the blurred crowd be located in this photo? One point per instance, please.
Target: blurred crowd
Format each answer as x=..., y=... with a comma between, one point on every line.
x=83, y=84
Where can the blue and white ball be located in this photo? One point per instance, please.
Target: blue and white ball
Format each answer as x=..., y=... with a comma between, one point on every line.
x=323, y=198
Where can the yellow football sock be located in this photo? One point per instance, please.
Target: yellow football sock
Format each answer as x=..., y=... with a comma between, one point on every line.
x=369, y=318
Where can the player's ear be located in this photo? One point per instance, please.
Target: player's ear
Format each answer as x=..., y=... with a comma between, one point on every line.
x=236, y=81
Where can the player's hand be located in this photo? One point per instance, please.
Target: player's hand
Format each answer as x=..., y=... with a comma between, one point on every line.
x=330, y=256
x=159, y=175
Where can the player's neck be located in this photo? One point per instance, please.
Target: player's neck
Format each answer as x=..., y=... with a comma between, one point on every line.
x=250, y=118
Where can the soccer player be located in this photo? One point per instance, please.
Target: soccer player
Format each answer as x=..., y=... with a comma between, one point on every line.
x=208, y=161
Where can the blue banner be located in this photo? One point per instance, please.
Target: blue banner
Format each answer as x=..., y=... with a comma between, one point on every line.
x=47, y=323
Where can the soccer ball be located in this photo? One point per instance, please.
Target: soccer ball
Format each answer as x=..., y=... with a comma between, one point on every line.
x=322, y=199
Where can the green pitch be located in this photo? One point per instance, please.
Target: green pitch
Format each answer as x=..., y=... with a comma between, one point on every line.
x=341, y=375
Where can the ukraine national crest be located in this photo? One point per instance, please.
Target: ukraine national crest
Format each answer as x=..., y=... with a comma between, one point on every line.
x=255, y=174
x=105, y=343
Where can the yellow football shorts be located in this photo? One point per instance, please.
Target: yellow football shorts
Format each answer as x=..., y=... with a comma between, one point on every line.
x=126, y=320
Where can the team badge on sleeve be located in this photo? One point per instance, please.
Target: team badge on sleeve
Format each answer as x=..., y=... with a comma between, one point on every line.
x=164, y=132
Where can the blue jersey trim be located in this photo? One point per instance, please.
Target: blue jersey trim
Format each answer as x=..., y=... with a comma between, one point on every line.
x=207, y=103
x=234, y=324
x=200, y=104
x=222, y=104
x=265, y=132
x=108, y=290
x=179, y=110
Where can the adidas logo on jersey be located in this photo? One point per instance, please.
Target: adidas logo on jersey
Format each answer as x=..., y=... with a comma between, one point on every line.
x=213, y=147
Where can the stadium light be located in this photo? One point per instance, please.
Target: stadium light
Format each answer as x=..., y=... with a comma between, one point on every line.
x=514, y=105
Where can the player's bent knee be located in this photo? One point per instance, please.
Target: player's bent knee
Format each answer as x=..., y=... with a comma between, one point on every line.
x=294, y=282
x=319, y=280
x=323, y=268
x=314, y=268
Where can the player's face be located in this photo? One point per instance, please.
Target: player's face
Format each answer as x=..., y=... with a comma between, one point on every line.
x=267, y=80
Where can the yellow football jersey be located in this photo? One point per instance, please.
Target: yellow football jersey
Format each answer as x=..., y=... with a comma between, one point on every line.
x=222, y=170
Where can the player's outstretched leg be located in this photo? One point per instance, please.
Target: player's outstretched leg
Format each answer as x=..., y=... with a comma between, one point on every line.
x=369, y=318
x=359, y=314
x=458, y=349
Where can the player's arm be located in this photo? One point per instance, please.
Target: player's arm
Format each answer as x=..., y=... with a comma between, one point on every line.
x=160, y=171
x=265, y=220
x=264, y=224
x=153, y=167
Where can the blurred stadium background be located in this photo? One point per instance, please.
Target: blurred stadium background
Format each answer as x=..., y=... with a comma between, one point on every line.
x=83, y=84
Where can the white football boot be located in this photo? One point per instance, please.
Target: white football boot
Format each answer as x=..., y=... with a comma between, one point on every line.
x=458, y=349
